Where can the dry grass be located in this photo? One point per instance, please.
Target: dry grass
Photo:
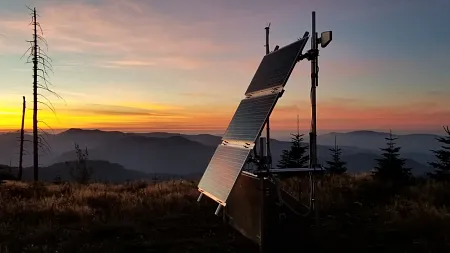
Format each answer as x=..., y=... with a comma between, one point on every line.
x=362, y=215
x=357, y=214
x=133, y=217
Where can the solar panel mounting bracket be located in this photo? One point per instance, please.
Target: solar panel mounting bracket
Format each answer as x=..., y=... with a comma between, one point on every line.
x=238, y=144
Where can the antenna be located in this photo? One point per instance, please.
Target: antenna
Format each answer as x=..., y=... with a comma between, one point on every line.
x=313, y=55
x=298, y=125
x=267, y=28
x=269, y=154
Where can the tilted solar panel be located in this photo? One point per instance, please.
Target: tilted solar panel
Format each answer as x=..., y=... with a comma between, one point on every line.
x=222, y=172
x=248, y=121
x=250, y=117
x=276, y=67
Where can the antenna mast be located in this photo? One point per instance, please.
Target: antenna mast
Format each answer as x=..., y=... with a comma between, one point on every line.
x=313, y=134
x=269, y=154
x=314, y=83
x=312, y=56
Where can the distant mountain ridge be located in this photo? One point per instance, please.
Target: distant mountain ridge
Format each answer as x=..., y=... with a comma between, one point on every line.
x=103, y=171
x=182, y=154
x=410, y=143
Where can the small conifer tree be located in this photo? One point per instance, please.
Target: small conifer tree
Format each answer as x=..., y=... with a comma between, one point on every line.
x=336, y=165
x=442, y=165
x=391, y=167
x=296, y=156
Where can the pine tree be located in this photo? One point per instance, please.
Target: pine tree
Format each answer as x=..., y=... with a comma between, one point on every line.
x=296, y=156
x=442, y=165
x=336, y=165
x=285, y=159
x=390, y=166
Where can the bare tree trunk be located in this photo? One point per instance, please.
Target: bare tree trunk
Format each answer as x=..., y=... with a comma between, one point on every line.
x=35, y=101
x=21, y=139
x=41, y=65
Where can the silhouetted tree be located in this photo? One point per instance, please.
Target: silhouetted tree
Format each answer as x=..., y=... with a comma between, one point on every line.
x=79, y=169
x=296, y=156
x=41, y=67
x=336, y=165
x=391, y=167
x=442, y=165
x=22, y=134
x=285, y=159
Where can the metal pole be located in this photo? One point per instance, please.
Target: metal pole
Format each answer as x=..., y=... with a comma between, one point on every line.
x=269, y=155
x=313, y=137
x=263, y=242
x=314, y=82
x=263, y=237
x=219, y=207
x=267, y=39
x=200, y=197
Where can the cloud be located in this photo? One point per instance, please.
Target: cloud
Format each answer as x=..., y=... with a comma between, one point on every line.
x=119, y=30
x=196, y=94
x=115, y=110
x=171, y=62
x=132, y=63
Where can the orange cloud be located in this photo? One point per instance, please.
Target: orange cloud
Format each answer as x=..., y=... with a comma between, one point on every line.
x=114, y=30
x=340, y=114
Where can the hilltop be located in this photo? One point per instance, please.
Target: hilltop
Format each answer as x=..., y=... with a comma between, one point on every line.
x=356, y=214
x=132, y=217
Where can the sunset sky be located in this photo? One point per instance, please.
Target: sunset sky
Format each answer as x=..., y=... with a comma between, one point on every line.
x=183, y=66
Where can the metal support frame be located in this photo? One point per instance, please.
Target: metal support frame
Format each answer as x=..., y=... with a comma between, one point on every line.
x=313, y=56
x=264, y=160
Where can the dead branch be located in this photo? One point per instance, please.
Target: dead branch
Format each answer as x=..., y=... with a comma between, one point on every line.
x=43, y=122
x=51, y=109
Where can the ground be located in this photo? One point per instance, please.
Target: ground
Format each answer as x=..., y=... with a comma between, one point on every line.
x=356, y=214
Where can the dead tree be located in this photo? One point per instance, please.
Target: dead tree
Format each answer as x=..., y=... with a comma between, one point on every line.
x=22, y=134
x=42, y=64
x=79, y=169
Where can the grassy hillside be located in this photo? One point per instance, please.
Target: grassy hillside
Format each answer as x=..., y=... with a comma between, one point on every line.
x=356, y=215
x=110, y=218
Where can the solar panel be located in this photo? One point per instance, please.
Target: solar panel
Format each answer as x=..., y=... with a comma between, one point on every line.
x=222, y=171
x=248, y=121
x=276, y=67
x=250, y=117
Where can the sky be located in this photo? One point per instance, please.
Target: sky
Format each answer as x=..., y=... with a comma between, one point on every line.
x=183, y=66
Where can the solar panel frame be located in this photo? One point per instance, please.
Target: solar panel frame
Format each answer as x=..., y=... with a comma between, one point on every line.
x=247, y=123
x=250, y=116
x=267, y=76
x=222, y=172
